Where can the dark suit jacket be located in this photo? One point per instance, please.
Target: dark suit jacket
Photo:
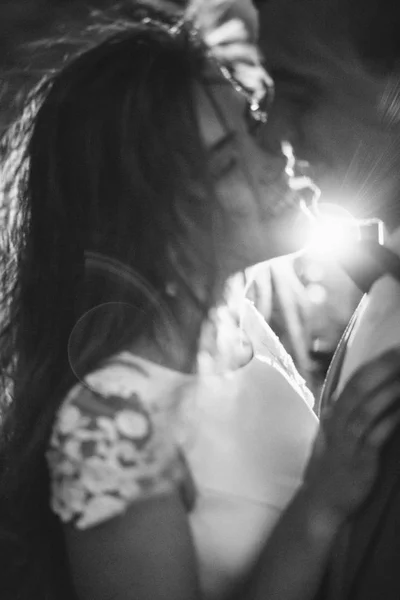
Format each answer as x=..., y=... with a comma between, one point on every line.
x=365, y=560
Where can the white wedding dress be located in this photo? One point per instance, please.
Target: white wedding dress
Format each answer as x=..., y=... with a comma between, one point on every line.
x=245, y=434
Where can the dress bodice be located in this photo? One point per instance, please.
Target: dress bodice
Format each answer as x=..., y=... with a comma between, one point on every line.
x=254, y=431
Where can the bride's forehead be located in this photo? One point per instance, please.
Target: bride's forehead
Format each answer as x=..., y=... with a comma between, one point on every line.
x=219, y=108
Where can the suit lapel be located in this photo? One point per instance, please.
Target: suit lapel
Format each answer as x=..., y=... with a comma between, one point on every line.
x=335, y=368
x=355, y=543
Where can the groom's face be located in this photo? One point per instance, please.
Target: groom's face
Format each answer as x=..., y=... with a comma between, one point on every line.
x=331, y=109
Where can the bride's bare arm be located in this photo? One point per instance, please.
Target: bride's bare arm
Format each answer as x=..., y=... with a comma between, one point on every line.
x=146, y=554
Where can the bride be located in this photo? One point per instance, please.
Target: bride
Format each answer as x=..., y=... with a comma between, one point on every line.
x=157, y=439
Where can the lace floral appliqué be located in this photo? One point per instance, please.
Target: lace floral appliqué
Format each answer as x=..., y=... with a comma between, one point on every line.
x=102, y=460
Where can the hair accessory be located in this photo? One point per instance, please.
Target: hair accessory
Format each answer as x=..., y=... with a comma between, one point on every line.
x=232, y=46
x=230, y=43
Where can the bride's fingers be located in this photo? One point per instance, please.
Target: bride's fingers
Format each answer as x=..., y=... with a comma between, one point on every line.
x=352, y=428
x=373, y=432
x=383, y=430
x=366, y=383
x=374, y=408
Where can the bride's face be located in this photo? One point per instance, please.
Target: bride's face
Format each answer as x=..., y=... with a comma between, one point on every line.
x=262, y=215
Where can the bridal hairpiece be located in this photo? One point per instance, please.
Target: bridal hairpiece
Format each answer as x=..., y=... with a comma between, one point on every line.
x=229, y=44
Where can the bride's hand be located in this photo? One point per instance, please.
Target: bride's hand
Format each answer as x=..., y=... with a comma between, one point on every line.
x=345, y=460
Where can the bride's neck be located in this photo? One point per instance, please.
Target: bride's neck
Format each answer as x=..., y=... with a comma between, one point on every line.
x=188, y=331
x=174, y=343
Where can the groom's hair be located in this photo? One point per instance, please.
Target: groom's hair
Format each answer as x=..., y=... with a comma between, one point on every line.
x=339, y=96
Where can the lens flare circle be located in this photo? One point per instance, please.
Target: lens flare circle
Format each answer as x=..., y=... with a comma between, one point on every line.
x=333, y=233
x=124, y=283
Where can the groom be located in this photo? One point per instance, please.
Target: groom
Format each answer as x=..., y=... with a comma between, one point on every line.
x=364, y=564
x=328, y=104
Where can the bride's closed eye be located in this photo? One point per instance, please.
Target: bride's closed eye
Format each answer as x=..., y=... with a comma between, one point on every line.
x=224, y=156
x=224, y=165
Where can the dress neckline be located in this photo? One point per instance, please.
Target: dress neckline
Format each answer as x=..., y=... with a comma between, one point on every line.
x=135, y=358
x=215, y=358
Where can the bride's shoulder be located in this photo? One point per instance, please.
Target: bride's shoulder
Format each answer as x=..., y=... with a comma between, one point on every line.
x=111, y=444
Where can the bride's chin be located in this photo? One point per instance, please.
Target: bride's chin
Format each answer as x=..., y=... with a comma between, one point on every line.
x=293, y=232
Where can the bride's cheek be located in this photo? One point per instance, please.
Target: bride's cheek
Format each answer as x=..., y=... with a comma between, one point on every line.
x=237, y=197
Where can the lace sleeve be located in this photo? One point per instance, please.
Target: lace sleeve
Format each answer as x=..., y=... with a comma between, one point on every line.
x=105, y=453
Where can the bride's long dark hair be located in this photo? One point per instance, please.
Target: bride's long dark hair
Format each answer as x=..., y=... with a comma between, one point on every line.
x=107, y=159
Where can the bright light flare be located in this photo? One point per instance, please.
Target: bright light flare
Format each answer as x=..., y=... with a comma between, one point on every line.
x=333, y=233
